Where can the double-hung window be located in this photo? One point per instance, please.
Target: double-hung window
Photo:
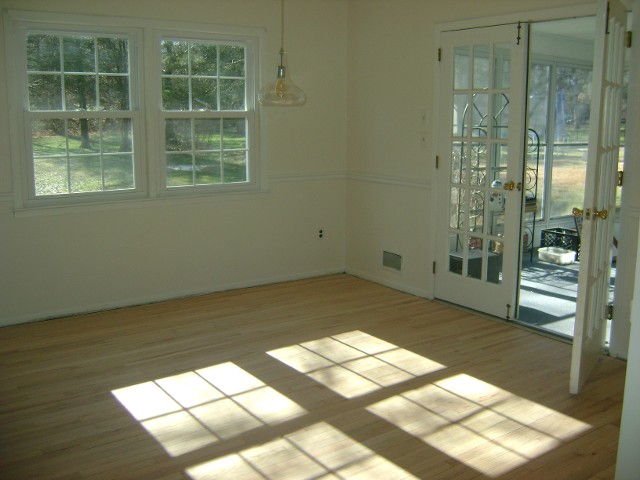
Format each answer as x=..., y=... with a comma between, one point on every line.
x=130, y=110
x=79, y=114
x=205, y=113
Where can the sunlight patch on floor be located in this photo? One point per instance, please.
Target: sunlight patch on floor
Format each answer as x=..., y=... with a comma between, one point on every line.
x=319, y=451
x=355, y=363
x=191, y=410
x=483, y=426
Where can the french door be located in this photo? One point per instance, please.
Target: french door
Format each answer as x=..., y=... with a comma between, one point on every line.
x=600, y=192
x=481, y=142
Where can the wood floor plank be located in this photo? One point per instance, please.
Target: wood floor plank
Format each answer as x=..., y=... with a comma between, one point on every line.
x=330, y=377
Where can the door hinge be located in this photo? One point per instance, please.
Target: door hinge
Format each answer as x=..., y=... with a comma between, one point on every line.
x=607, y=19
x=437, y=162
x=434, y=268
x=628, y=39
x=439, y=54
x=610, y=311
x=620, y=178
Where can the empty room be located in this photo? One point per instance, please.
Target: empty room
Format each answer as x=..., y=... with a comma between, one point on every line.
x=286, y=239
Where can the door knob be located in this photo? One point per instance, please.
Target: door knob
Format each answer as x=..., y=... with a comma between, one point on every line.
x=577, y=212
x=603, y=214
x=511, y=186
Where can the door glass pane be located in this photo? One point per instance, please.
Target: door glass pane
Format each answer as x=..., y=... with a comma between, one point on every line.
x=494, y=262
x=461, y=68
x=481, y=67
x=476, y=211
x=460, y=116
x=480, y=114
x=499, y=160
x=496, y=217
x=458, y=162
x=502, y=65
x=457, y=201
x=478, y=163
x=474, y=260
x=455, y=253
x=568, y=177
x=500, y=104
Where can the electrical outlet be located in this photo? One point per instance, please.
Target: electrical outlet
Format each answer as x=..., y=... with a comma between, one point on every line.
x=321, y=233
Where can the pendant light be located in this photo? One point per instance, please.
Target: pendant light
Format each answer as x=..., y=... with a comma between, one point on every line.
x=283, y=92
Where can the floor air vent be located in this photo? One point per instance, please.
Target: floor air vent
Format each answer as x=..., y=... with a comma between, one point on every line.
x=392, y=260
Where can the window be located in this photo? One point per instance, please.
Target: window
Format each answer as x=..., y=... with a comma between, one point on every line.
x=95, y=129
x=559, y=103
x=79, y=113
x=208, y=143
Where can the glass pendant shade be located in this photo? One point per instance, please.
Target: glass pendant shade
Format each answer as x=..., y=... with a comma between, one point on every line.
x=283, y=92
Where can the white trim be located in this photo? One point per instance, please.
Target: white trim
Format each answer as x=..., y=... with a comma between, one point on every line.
x=576, y=11
x=408, y=182
x=307, y=177
x=130, y=204
x=99, y=307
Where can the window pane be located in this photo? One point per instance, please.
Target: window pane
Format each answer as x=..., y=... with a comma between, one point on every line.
x=178, y=135
x=235, y=133
x=78, y=54
x=538, y=107
x=208, y=168
x=232, y=94
x=118, y=172
x=43, y=53
x=83, y=135
x=232, y=61
x=85, y=173
x=175, y=58
x=179, y=169
x=45, y=92
x=51, y=176
x=117, y=136
x=568, y=177
x=204, y=93
x=207, y=134
x=80, y=92
x=573, y=102
x=175, y=93
x=113, y=55
x=235, y=167
x=114, y=92
x=204, y=59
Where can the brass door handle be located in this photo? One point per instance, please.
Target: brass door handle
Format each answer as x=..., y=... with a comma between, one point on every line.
x=511, y=186
x=577, y=212
x=603, y=214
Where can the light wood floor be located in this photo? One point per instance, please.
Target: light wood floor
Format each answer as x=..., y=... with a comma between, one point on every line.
x=333, y=377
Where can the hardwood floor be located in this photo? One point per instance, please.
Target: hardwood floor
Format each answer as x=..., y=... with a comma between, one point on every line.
x=332, y=377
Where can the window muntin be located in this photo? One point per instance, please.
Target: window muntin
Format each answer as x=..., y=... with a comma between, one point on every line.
x=206, y=113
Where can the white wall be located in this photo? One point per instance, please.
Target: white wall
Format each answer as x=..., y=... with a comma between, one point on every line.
x=628, y=464
x=86, y=259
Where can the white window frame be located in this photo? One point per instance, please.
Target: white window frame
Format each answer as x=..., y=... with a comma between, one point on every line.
x=146, y=106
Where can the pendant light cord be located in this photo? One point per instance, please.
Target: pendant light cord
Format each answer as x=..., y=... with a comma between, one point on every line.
x=281, y=26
